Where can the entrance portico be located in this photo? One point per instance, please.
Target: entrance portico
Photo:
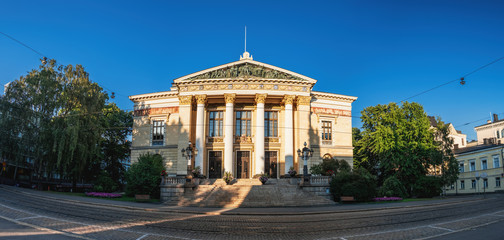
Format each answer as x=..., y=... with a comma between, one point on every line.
x=244, y=117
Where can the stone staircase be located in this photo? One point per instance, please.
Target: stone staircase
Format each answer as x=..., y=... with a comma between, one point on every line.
x=248, y=193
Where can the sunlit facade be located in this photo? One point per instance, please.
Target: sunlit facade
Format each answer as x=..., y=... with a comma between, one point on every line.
x=245, y=117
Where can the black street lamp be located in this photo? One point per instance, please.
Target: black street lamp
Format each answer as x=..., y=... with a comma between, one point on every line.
x=188, y=153
x=306, y=153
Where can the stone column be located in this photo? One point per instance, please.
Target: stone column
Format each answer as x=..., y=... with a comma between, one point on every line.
x=185, y=103
x=288, y=133
x=259, y=133
x=200, y=134
x=228, y=132
x=304, y=125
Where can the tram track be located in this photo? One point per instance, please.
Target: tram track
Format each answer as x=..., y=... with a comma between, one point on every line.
x=157, y=221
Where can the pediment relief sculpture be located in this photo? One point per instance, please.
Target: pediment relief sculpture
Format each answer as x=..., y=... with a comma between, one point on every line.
x=245, y=70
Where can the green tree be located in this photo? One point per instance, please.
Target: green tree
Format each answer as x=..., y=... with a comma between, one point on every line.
x=29, y=106
x=144, y=176
x=396, y=141
x=56, y=117
x=115, y=145
x=444, y=156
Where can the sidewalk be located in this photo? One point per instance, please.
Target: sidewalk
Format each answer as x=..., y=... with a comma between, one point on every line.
x=336, y=208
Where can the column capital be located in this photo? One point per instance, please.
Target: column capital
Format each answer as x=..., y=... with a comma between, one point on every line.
x=185, y=100
x=201, y=99
x=261, y=98
x=288, y=99
x=230, y=97
x=304, y=100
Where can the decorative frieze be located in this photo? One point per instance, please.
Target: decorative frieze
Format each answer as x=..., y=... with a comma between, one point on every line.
x=242, y=86
x=215, y=140
x=230, y=97
x=243, y=139
x=331, y=111
x=185, y=100
x=271, y=139
x=156, y=111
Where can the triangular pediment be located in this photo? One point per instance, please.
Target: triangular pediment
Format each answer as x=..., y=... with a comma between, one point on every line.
x=245, y=69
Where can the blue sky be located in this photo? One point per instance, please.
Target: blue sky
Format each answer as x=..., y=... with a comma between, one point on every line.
x=379, y=51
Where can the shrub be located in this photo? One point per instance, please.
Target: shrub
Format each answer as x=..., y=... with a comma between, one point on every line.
x=360, y=184
x=143, y=176
x=330, y=167
x=427, y=187
x=316, y=169
x=393, y=187
x=104, y=183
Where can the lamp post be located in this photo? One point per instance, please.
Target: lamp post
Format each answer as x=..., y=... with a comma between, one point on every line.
x=305, y=154
x=188, y=153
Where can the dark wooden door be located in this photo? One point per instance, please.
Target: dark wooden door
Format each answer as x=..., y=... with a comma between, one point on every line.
x=242, y=164
x=215, y=164
x=270, y=163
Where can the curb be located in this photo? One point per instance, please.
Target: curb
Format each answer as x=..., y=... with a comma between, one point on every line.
x=224, y=211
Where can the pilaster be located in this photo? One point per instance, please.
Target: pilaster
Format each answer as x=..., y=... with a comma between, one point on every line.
x=185, y=105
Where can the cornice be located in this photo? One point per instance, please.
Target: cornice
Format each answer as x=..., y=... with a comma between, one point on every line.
x=148, y=96
x=323, y=95
x=304, y=78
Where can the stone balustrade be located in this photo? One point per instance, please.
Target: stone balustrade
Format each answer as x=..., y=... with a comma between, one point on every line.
x=320, y=180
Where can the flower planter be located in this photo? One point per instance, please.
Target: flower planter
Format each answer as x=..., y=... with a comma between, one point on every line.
x=195, y=181
x=142, y=197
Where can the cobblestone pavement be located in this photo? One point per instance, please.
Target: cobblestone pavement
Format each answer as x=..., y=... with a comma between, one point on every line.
x=87, y=220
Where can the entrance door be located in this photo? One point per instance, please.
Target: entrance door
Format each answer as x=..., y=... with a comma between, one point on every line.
x=270, y=163
x=215, y=164
x=242, y=164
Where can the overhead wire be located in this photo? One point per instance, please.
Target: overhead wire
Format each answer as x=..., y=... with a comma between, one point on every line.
x=462, y=79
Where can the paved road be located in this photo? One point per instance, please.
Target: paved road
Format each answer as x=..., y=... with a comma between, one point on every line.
x=89, y=219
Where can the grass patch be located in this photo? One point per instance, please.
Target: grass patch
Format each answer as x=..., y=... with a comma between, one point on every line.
x=124, y=198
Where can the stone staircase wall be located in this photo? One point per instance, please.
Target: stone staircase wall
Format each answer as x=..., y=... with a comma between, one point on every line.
x=247, y=193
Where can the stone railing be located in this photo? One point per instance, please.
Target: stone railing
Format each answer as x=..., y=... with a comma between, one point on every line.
x=320, y=180
x=172, y=180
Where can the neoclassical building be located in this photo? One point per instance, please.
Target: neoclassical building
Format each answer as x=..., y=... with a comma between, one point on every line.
x=246, y=117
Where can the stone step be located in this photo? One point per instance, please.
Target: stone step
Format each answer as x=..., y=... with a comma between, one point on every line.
x=247, y=193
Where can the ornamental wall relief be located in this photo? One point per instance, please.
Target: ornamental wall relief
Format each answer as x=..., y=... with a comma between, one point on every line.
x=246, y=70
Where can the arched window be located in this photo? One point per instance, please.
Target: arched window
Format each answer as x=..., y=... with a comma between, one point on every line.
x=502, y=135
x=326, y=157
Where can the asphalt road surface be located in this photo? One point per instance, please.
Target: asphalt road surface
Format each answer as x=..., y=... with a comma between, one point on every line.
x=40, y=217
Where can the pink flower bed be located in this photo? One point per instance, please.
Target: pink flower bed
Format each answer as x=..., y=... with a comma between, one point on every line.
x=381, y=199
x=102, y=194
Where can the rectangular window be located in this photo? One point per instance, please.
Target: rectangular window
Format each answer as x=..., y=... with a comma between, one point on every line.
x=461, y=167
x=496, y=161
x=485, y=183
x=215, y=124
x=472, y=165
x=484, y=164
x=497, y=182
x=326, y=130
x=158, y=130
x=243, y=123
x=271, y=124
x=452, y=186
x=473, y=184
x=462, y=184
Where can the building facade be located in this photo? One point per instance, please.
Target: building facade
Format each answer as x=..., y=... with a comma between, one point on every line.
x=245, y=117
x=491, y=132
x=483, y=161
